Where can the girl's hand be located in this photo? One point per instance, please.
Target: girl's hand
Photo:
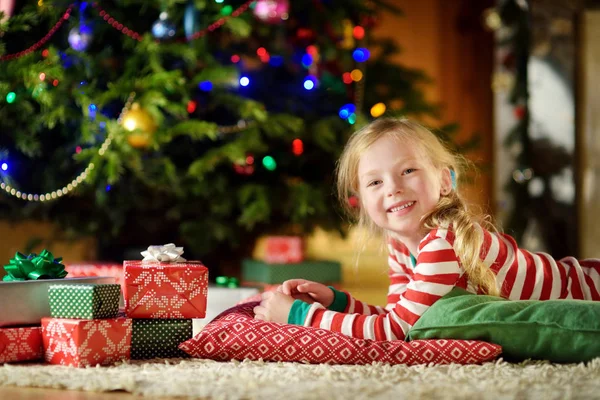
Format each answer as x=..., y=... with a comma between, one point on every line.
x=307, y=291
x=274, y=307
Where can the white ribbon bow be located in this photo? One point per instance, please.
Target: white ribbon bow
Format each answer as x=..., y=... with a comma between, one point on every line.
x=166, y=253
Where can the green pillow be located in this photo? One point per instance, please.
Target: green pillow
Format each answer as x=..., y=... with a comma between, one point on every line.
x=554, y=330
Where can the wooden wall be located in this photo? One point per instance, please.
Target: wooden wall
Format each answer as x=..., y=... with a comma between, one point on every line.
x=589, y=135
x=447, y=40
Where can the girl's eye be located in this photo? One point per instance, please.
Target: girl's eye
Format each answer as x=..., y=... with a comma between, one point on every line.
x=409, y=171
x=373, y=183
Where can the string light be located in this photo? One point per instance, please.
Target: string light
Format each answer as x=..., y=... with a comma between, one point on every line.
x=310, y=82
x=205, y=86
x=361, y=54
x=10, y=97
x=356, y=75
x=358, y=32
x=307, y=60
x=347, y=78
x=297, y=147
x=244, y=81
x=269, y=163
x=265, y=58
x=378, y=110
x=82, y=177
x=191, y=106
x=346, y=110
x=4, y=166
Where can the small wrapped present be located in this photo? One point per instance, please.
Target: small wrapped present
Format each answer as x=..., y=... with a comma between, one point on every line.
x=86, y=301
x=159, y=338
x=24, y=290
x=96, y=268
x=318, y=271
x=21, y=344
x=164, y=285
x=284, y=249
x=81, y=343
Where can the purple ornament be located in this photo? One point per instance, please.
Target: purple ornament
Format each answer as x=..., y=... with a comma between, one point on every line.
x=272, y=11
x=80, y=37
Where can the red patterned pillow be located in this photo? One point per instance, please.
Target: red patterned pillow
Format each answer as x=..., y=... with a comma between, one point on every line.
x=235, y=334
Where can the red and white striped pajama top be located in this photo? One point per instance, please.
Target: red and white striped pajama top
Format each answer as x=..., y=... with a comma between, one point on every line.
x=414, y=288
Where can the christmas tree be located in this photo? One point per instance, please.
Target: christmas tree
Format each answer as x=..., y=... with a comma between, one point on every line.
x=203, y=122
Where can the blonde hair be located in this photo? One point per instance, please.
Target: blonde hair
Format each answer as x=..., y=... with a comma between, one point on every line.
x=450, y=210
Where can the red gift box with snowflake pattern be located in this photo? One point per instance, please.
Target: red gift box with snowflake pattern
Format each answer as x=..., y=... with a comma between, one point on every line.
x=284, y=250
x=21, y=344
x=165, y=290
x=82, y=343
x=96, y=268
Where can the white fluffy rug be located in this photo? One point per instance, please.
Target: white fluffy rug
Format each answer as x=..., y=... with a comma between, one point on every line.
x=287, y=381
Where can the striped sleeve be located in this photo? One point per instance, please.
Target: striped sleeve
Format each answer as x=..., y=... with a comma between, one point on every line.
x=435, y=274
x=399, y=272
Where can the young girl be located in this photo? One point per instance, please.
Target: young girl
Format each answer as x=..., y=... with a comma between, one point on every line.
x=405, y=180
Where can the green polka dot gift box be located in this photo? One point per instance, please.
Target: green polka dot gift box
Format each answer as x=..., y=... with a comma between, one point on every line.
x=159, y=338
x=85, y=301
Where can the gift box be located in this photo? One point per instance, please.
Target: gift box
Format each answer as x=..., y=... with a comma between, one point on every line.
x=26, y=302
x=317, y=271
x=165, y=290
x=96, y=269
x=86, y=301
x=284, y=250
x=220, y=299
x=81, y=343
x=164, y=285
x=159, y=338
x=21, y=344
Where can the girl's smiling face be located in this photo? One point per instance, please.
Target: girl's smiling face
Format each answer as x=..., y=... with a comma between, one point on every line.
x=398, y=186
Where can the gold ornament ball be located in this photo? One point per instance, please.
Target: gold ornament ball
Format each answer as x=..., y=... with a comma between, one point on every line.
x=141, y=125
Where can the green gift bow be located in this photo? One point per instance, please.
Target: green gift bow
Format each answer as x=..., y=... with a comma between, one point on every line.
x=33, y=266
x=227, y=281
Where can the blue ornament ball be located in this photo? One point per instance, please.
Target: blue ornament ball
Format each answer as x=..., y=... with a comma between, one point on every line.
x=163, y=28
x=80, y=37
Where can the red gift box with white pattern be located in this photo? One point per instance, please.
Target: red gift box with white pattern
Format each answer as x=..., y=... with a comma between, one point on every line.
x=21, y=344
x=81, y=343
x=96, y=268
x=162, y=290
x=284, y=250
